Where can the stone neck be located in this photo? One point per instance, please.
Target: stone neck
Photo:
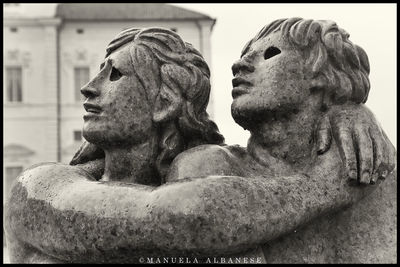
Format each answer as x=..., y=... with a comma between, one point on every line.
x=133, y=164
x=286, y=145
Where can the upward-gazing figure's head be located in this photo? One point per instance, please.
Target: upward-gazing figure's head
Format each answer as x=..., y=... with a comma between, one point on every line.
x=151, y=81
x=289, y=60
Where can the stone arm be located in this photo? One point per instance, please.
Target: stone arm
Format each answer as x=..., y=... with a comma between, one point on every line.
x=57, y=210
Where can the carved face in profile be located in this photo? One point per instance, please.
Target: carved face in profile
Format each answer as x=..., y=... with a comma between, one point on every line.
x=117, y=110
x=269, y=78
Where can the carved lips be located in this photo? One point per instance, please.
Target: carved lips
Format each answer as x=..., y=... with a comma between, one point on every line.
x=91, y=109
x=240, y=86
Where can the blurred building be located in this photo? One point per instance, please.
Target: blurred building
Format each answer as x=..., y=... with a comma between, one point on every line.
x=50, y=51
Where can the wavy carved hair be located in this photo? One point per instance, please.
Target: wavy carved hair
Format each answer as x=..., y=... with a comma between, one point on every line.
x=162, y=60
x=343, y=65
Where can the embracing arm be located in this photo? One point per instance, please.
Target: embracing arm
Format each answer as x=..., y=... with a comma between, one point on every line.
x=58, y=211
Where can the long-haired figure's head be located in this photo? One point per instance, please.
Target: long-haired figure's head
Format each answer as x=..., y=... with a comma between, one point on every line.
x=176, y=80
x=337, y=66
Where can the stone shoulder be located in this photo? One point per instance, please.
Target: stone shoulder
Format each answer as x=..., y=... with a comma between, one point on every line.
x=203, y=161
x=39, y=178
x=51, y=169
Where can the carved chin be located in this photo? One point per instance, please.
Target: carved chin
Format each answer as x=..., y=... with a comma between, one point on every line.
x=108, y=137
x=97, y=134
x=93, y=136
x=244, y=116
x=250, y=116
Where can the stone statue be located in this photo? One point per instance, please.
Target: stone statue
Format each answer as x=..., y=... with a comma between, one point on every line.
x=141, y=130
x=156, y=180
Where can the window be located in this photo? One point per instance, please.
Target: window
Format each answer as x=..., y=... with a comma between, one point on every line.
x=79, y=31
x=81, y=78
x=77, y=136
x=14, y=84
x=13, y=29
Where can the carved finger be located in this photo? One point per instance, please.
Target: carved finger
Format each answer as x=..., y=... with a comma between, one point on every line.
x=392, y=161
x=392, y=154
x=377, y=146
x=365, y=155
x=324, y=136
x=347, y=153
x=389, y=157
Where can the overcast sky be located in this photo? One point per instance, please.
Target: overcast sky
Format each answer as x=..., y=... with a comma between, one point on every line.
x=371, y=26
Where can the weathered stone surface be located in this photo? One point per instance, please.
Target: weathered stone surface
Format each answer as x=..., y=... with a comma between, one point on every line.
x=155, y=180
x=363, y=233
x=79, y=220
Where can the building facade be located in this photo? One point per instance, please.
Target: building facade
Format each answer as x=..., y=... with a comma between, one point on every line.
x=50, y=51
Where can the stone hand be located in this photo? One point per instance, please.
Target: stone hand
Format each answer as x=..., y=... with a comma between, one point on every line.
x=364, y=148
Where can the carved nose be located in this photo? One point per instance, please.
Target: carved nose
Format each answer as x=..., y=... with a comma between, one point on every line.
x=242, y=65
x=89, y=91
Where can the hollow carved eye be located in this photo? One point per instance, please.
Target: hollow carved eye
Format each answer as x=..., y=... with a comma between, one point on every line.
x=115, y=74
x=271, y=51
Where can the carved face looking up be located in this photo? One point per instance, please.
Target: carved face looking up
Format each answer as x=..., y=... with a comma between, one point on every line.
x=117, y=110
x=151, y=80
x=268, y=79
